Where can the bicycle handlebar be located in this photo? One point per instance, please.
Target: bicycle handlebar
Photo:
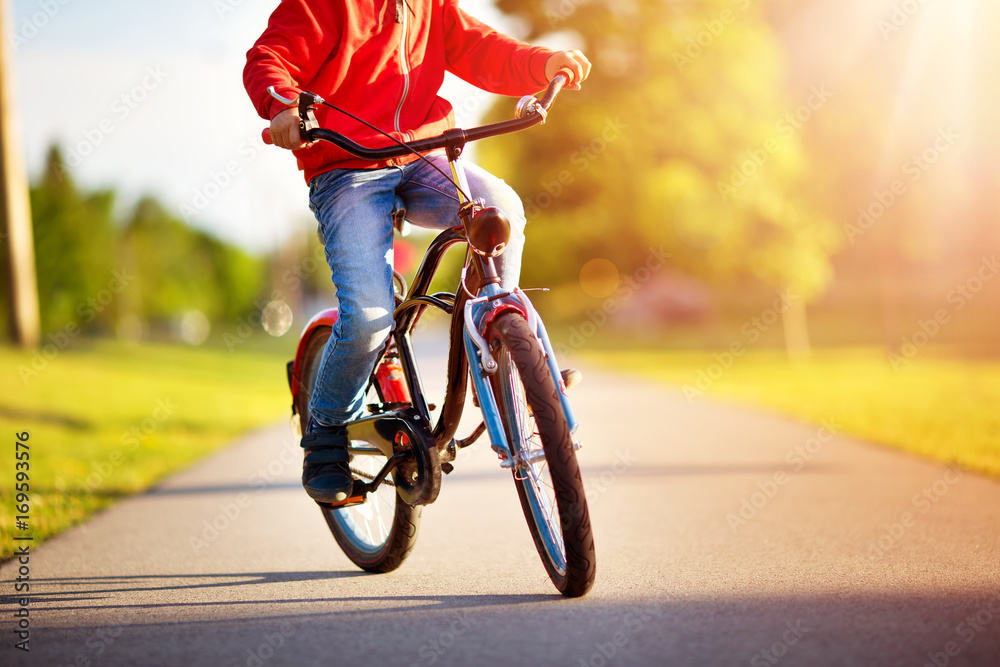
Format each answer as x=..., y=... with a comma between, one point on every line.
x=530, y=111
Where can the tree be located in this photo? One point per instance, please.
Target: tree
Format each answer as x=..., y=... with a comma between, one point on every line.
x=179, y=269
x=683, y=138
x=74, y=248
x=92, y=269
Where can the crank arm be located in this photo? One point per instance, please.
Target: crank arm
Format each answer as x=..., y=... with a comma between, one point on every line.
x=362, y=489
x=394, y=460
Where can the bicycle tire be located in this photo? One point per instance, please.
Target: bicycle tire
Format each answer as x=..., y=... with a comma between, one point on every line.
x=534, y=423
x=398, y=535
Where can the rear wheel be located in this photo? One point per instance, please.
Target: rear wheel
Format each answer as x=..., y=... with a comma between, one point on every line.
x=378, y=534
x=546, y=471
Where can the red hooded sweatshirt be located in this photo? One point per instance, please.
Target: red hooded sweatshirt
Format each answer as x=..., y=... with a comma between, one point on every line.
x=384, y=61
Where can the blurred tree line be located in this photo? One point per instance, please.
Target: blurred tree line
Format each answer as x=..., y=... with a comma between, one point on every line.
x=681, y=140
x=644, y=155
x=747, y=139
x=99, y=269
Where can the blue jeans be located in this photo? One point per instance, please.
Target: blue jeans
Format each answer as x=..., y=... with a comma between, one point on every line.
x=354, y=208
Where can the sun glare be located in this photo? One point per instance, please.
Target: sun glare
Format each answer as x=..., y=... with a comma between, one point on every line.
x=936, y=85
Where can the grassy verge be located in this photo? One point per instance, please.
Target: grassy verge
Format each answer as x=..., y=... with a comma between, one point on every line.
x=108, y=419
x=944, y=409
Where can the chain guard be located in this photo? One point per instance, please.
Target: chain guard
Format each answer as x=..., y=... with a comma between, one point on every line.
x=418, y=477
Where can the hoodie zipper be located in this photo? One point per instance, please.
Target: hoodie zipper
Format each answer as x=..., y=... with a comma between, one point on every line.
x=403, y=64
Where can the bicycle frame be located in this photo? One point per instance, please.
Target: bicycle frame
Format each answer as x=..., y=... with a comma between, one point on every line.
x=469, y=319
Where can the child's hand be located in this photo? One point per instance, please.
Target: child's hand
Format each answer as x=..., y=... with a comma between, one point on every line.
x=285, y=130
x=574, y=61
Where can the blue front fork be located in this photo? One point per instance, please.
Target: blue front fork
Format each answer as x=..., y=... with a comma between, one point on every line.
x=492, y=298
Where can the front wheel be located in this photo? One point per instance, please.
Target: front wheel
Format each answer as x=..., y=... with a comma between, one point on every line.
x=378, y=534
x=546, y=472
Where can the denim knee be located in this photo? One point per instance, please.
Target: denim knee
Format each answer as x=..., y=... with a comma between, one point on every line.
x=366, y=332
x=502, y=196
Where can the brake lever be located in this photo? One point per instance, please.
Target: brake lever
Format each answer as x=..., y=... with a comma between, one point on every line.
x=278, y=96
x=306, y=103
x=307, y=114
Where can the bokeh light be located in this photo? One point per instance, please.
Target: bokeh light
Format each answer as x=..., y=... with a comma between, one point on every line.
x=599, y=278
x=276, y=318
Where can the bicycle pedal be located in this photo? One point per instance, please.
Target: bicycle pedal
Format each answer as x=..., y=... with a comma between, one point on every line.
x=348, y=502
x=571, y=377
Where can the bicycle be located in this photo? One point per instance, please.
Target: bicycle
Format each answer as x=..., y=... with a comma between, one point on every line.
x=516, y=383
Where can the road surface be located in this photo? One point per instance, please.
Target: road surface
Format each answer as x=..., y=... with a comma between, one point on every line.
x=724, y=537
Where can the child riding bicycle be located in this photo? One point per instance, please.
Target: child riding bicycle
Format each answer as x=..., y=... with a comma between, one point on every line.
x=383, y=61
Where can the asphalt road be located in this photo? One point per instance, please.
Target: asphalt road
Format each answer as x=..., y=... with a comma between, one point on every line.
x=724, y=537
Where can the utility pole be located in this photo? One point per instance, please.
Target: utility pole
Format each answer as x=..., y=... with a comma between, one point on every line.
x=16, y=238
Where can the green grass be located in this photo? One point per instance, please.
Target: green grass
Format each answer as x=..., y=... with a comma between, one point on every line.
x=109, y=419
x=941, y=408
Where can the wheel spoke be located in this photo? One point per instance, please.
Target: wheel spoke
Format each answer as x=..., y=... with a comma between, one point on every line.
x=526, y=445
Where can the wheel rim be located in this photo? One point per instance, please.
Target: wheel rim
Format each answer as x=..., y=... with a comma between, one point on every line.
x=533, y=475
x=366, y=526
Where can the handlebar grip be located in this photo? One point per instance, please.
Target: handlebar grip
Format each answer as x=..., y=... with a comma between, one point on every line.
x=266, y=136
x=568, y=73
x=562, y=78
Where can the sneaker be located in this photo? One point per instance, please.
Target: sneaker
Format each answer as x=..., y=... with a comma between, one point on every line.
x=326, y=474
